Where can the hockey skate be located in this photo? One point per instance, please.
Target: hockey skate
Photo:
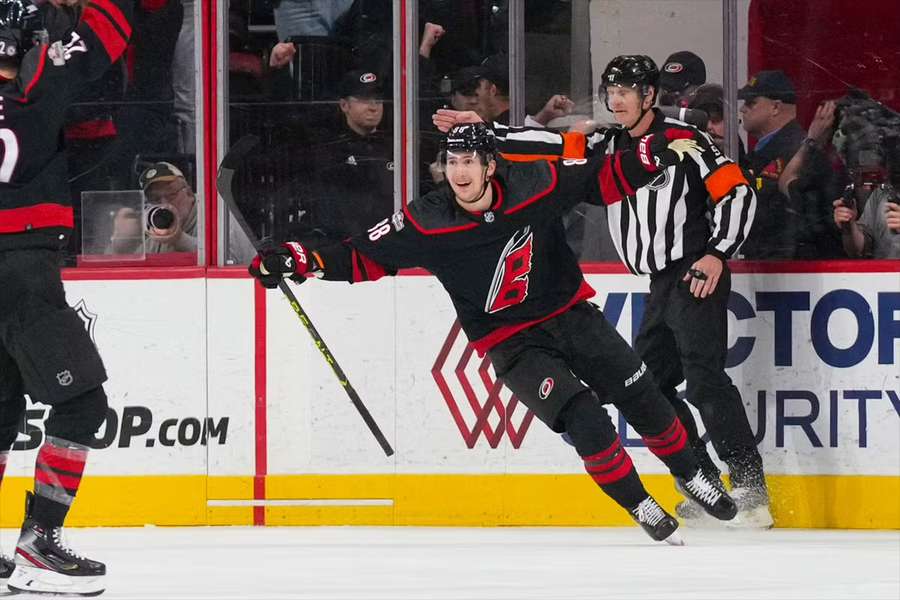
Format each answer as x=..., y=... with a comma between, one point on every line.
x=708, y=494
x=658, y=524
x=44, y=564
x=6, y=568
x=753, y=508
x=753, y=511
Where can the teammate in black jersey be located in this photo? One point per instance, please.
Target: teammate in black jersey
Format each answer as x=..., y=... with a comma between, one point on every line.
x=494, y=239
x=47, y=54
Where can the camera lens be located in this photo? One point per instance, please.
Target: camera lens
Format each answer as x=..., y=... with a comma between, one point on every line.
x=159, y=217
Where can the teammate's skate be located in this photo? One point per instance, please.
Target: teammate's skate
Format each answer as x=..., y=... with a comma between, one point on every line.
x=6, y=568
x=658, y=524
x=46, y=565
x=707, y=495
x=753, y=508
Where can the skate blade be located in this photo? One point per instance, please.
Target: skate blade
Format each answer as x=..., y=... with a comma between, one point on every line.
x=674, y=539
x=43, y=582
x=754, y=518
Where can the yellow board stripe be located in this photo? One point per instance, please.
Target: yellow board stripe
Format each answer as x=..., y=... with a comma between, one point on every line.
x=815, y=501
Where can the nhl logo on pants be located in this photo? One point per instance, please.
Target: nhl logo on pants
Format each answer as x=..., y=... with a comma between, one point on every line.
x=64, y=378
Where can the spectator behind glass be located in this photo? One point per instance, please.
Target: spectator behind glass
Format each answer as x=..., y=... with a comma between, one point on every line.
x=709, y=98
x=484, y=89
x=680, y=75
x=769, y=114
x=875, y=179
x=352, y=176
x=164, y=186
x=812, y=179
x=183, y=78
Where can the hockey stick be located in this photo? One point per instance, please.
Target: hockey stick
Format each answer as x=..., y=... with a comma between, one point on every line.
x=223, y=181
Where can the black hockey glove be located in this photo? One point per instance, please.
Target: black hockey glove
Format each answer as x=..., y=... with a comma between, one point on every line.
x=657, y=151
x=290, y=259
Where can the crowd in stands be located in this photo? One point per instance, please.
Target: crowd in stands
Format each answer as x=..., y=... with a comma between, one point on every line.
x=316, y=84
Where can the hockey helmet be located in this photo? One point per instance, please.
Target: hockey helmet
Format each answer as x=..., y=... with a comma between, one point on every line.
x=20, y=20
x=471, y=137
x=630, y=70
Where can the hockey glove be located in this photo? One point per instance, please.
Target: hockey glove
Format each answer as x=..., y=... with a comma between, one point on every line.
x=657, y=152
x=290, y=259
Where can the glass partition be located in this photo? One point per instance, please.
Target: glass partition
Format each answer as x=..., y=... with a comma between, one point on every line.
x=139, y=117
x=312, y=80
x=818, y=105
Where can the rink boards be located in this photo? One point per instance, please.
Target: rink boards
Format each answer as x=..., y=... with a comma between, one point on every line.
x=223, y=412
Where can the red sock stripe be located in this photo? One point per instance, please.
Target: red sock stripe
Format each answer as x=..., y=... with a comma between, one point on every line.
x=3, y=457
x=603, y=454
x=670, y=441
x=610, y=465
x=59, y=480
x=620, y=472
x=62, y=459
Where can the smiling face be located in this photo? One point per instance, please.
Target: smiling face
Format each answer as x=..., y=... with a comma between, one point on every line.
x=626, y=104
x=467, y=176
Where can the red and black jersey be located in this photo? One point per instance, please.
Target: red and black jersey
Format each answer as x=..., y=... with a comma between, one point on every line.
x=35, y=209
x=506, y=268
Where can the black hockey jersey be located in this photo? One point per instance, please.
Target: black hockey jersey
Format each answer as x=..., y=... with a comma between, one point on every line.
x=506, y=268
x=35, y=207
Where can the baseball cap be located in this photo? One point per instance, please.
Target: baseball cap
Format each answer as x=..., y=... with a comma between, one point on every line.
x=159, y=172
x=709, y=97
x=494, y=68
x=769, y=84
x=682, y=69
x=361, y=84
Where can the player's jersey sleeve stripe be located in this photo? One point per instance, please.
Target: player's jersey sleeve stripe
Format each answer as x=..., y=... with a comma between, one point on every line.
x=723, y=180
x=37, y=216
x=115, y=14
x=37, y=74
x=528, y=157
x=110, y=37
x=574, y=145
x=365, y=269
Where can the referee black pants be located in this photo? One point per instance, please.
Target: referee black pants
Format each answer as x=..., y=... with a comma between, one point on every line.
x=684, y=338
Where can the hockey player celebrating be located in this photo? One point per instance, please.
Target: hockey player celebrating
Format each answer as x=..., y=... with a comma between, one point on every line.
x=680, y=230
x=48, y=53
x=494, y=239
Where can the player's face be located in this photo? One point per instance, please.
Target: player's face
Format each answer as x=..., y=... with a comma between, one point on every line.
x=625, y=104
x=466, y=174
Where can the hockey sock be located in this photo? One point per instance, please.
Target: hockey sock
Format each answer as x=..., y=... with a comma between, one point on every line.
x=606, y=461
x=672, y=448
x=57, y=475
x=614, y=472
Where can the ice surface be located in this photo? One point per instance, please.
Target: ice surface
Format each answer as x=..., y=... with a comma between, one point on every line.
x=399, y=563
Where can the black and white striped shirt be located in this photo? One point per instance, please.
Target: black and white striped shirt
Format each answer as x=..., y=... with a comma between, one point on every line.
x=702, y=205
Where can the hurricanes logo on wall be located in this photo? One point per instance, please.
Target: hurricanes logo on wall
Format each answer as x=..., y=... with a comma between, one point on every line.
x=87, y=317
x=478, y=401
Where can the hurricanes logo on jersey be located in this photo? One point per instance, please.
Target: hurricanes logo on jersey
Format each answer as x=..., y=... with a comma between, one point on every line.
x=510, y=283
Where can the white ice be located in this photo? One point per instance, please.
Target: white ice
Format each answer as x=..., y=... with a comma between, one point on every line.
x=397, y=563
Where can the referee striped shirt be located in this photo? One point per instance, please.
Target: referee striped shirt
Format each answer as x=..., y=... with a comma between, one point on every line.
x=703, y=205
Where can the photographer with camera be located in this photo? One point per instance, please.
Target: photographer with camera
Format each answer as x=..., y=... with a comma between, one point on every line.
x=868, y=212
x=873, y=232
x=169, y=222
